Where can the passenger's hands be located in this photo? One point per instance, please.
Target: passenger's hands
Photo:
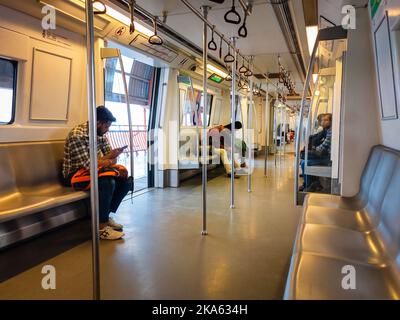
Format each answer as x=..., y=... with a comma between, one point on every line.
x=107, y=162
x=113, y=154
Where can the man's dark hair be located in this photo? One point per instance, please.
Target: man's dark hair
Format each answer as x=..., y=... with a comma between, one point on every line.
x=238, y=126
x=104, y=115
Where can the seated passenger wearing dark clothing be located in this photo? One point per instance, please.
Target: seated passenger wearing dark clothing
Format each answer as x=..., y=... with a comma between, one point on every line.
x=319, y=154
x=112, y=190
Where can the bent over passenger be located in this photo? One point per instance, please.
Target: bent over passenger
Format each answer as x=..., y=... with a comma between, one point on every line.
x=219, y=138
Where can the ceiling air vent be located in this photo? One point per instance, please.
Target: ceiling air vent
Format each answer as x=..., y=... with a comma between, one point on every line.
x=183, y=61
x=164, y=52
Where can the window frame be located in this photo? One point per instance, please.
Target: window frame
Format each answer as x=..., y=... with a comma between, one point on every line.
x=210, y=100
x=119, y=97
x=14, y=87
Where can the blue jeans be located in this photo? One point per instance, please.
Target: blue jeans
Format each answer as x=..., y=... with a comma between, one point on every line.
x=111, y=193
x=312, y=162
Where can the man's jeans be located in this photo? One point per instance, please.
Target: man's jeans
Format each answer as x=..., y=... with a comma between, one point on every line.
x=111, y=193
x=312, y=162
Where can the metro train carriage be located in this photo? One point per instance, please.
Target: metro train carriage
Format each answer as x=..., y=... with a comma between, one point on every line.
x=244, y=150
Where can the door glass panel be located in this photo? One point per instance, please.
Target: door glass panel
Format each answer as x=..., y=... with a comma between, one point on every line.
x=217, y=112
x=189, y=135
x=140, y=79
x=320, y=138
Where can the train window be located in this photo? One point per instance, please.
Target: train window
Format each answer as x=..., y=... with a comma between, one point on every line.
x=8, y=82
x=238, y=108
x=187, y=108
x=200, y=107
x=217, y=112
x=191, y=106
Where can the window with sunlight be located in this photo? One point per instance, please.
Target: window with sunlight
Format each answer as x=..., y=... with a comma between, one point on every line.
x=8, y=78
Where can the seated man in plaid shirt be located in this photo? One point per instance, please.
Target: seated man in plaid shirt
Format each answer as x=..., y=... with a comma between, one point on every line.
x=111, y=190
x=319, y=155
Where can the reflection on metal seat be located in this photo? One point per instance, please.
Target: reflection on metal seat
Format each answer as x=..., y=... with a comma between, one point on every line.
x=31, y=186
x=319, y=171
x=362, y=231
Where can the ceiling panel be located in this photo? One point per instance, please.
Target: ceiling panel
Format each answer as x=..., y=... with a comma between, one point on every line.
x=265, y=39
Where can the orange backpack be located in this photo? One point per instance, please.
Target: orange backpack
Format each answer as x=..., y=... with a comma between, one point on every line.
x=81, y=179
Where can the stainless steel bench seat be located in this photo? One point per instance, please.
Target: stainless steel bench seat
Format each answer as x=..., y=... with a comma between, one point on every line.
x=345, y=218
x=316, y=277
x=30, y=185
x=20, y=204
x=351, y=203
x=349, y=245
x=338, y=233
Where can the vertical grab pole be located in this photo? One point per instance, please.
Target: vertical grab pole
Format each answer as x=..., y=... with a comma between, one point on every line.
x=284, y=130
x=233, y=120
x=205, y=112
x=94, y=192
x=300, y=126
x=128, y=108
x=250, y=134
x=266, y=151
x=275, y=131
x=280, y=133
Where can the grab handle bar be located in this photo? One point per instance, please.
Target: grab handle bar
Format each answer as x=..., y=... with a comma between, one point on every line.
x=232, y=16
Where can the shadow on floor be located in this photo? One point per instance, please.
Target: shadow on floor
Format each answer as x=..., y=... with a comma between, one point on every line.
x=33, y=252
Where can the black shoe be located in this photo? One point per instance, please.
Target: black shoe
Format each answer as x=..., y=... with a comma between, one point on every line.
x=315, y=187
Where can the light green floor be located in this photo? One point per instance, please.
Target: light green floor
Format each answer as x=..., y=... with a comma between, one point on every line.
x=163, y=256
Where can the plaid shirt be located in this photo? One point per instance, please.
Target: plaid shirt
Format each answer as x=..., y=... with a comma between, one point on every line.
x=325, y=147
x=76, y=149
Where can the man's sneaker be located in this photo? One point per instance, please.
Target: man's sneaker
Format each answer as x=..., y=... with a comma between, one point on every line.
x=113, y=224
x=109, y=233
x=242, y=171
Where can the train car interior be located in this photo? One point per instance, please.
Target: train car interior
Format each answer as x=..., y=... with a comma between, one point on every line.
x=244, y=150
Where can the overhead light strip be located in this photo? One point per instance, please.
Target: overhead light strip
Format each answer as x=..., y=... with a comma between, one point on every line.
x=312, y=34
x=219, y=72
x=117, y=15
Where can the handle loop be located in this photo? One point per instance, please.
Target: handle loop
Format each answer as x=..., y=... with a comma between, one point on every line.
x=220, y=48
x=243, y=69
x=248, y=73
x=229, y=58
x=212, y=45
x=155, y=39
x=240, y=84
x=237, y=60
x=232, y=16
x=103, y=11
x=132, y=24
x=243, y=29
x=228, y=77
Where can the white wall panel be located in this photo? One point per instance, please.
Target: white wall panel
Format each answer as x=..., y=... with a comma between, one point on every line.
x=385, y=71
x=51, y=84
x=23, y=34
x=20, y=48
x=360, y=115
